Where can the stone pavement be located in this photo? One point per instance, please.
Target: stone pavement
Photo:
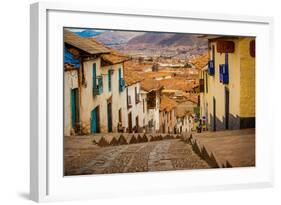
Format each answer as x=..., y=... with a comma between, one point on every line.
x=82, y=156
x=233, y=148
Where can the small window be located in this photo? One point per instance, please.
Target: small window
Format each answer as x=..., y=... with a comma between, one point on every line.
x=109, y=80
x=136, y=95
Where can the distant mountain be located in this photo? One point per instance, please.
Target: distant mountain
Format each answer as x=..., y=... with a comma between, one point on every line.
x=149, y=38
x=167, y=39
x=178, y=40
x=88, y=33
x=116, y=37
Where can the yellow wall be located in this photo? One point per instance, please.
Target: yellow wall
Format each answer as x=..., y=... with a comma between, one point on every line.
x=241, y=85
x=247, y=85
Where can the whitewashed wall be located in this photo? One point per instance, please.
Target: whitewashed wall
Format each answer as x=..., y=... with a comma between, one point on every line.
x=89, y=102
x=136, y=109
x=70, y=82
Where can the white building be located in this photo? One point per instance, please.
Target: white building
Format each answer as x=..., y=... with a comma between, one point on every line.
x=167, y=115
x=136, y=102
x=71, y=97
x=100, y=90
x=184, y=123
x=151, y=89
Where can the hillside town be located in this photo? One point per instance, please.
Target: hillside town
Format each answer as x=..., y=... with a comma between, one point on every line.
x=112, y=92
x=112, y=97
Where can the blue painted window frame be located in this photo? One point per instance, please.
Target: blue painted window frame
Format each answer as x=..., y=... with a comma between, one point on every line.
x=121, y=81
x=211, y=63
x=224, y=71
x=94, y=78
x=97, y=88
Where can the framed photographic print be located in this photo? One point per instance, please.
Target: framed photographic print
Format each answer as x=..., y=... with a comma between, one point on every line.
x=127, y=102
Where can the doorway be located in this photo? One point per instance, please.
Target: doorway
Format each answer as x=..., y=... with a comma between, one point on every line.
x=137, y=123
x=130, y=122
x=215, y=116
x=226, y=108
x=74, y=107
x=109, y=117
x=95, y=120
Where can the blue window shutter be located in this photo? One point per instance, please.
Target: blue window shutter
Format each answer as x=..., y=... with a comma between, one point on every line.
x=226, y=72
x=94, y=80
x=119, y=74
x=119, y=78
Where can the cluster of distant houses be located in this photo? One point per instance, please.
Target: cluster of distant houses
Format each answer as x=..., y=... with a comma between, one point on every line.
x=101, y=95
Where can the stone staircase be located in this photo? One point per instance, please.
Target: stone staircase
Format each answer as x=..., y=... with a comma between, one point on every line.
x=131, y=138
x=225, y=149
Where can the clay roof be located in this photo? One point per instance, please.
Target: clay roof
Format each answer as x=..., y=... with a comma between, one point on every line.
x=193, y=98
x=167, y=104
x=114, y=57
x=131, y=77
x=84, y=44
x=176, y=83
x=150, y=84
x=200, y=61
x=181, y=113
x=156, y=74
x=135, y=66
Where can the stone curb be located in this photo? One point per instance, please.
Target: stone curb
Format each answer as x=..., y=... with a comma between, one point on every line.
x=206, y=155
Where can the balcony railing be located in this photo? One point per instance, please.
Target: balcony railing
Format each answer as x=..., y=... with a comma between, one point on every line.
x=211, y=67
x=98, y=88
x=224, y=76
x=121, y=84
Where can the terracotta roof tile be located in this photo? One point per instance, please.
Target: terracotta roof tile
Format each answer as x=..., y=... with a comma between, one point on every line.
x=89, y=46
x=200, y=61
x=149, y=84
x=176, y=83
x=114, y=57
x=167, y=104
x=157, y=74
x=131, y=77
x=181, y=113
x=135, y=66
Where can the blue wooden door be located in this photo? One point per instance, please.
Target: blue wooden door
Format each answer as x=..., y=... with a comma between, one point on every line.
x=109, y=117
x=94, y=121
x=74, y=108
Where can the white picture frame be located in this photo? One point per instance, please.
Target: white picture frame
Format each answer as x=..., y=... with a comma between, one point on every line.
x=47, y=182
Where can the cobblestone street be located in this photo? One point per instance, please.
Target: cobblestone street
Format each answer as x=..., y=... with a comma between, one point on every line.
x=86, y=158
